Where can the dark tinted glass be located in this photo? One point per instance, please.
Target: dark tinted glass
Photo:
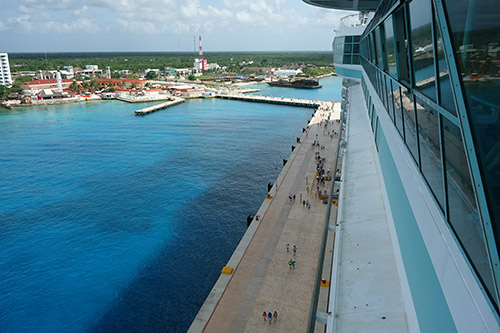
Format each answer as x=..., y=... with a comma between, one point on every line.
x=390, y=48
x=398, y=112
x=409, y=122
x=475, y=27
x=445, y=92
x=430, y=154
x=463, y=214
x=423, y=50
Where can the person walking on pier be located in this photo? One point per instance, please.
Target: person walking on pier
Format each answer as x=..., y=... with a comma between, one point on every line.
x=290, y=262
x=264, y=315
x=275, y=316
x=270, y=316
x=287, y=247
x=293, y=264
x=294, y=250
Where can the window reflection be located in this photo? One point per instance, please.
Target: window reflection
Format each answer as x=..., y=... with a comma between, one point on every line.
x=430, y=155
x=423, y=50
x=398, y=114
x=408, y=110
x=445, y=92
x=389, y=45
x=463, y=214
x=476, y=43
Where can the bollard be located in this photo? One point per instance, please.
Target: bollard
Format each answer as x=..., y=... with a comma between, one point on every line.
x=293, y=147
x=249, y=220
x=269, y=187
x=284, y=162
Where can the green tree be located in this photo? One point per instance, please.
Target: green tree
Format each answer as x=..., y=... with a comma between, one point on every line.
x=4, y=92
x=151, y=75
x=74, y=85
x=191, y=77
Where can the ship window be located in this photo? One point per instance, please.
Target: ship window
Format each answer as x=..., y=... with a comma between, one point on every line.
x=373, y=49
x=389, y=44
x=463, y=214
x=355, y=48
x=445, y=92
x=408, y=109
x=355, y=60
x=398, y=112
x=348, y=39
x=401, y=45
x=388, y=91
x=356, y=39
x=378, y=48
x=475, y=30
x=430, y=155
x=423, y=49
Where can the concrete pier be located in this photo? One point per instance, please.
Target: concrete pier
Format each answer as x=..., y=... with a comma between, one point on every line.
x=261, y=278
x=150, y=109
x=273, y=100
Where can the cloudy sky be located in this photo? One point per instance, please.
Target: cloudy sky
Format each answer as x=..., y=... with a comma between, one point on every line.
x=164, y=25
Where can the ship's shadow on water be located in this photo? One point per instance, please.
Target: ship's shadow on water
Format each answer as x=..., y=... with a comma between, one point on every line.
x=188, y=266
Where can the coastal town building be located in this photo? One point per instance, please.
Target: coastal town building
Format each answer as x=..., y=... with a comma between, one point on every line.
x=424, y=76
x=5, y=76
x=46, y=84
x=122, y=83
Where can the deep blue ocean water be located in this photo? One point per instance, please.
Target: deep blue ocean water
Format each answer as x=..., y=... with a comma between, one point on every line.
x=111, y=222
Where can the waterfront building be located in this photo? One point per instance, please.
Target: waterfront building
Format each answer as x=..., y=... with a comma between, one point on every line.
x=46, y=84
x=5, y=77
x=425, y=76
x=122, y=83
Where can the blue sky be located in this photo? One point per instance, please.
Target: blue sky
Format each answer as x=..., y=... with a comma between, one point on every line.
x=164, y=25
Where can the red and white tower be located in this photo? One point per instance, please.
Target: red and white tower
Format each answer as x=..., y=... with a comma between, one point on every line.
x=200, y=54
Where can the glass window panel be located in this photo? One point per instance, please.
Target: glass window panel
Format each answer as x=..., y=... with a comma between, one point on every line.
x=372, y=47
x=463, y=214
x=355, y=60
x=347, y=48
x=347, y=59
x=388, y=91
x=356, y=39
x=430, y=155
x=475, y=36
x=378, y=48
x=355, y=48
x=348, y=39
x=398, y=112
x=445, y=92
x=406, y=104
x=423, y=50
x=390, y=49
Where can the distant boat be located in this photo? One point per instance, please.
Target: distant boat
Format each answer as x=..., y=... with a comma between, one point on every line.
x=301, y=84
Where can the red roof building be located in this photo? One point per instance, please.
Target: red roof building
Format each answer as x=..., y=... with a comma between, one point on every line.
x=122, y=83
x=45, y=84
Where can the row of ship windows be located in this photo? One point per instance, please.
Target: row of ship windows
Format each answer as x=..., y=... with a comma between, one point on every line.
x=346, y=50
x=435, y=143
x=404, y=57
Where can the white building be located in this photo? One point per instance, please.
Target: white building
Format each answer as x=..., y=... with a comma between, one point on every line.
x=5, y=77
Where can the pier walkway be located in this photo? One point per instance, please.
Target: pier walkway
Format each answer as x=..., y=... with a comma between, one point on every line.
x=262, y=279
x=269, y=99
x=150, y=109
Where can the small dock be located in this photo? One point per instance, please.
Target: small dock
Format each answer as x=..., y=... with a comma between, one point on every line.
x=273, y=100
x=150, y=109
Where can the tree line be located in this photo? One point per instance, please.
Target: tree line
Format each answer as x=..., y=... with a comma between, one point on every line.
x=139, y=62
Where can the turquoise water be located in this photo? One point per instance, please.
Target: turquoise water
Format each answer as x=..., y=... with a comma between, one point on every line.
x=331, y=90
x=111, y=222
